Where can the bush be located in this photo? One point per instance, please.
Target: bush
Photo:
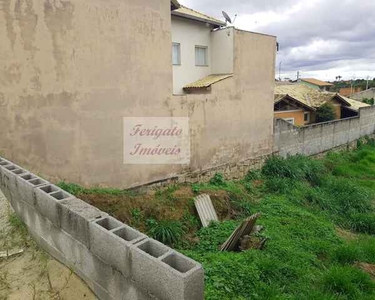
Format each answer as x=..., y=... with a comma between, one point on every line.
x=218, y=180
x=253, y=175
x=364, y=223
x=325, y=113
x=341, y=198
x=279, y=185
x=369, y=101
x=347, y=281
x=346, y=254
x=166, y=231
x=298, y=167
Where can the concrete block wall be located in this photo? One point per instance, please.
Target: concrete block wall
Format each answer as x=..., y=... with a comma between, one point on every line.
x=318, y=138
x=115, y=260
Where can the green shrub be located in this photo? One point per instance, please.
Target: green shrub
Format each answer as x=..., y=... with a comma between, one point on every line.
x=369, y=101
x=366, y=246
x=279, y=185
x=346, y=254
x=218, y=180
x=325, y=113
x=363, y=222
x=253, y=175
x=347, y=281
x=341, y=198
x=214, y=235
x=166, y=231
x=297, y=167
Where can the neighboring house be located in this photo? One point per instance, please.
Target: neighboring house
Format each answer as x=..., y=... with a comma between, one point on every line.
x=316, y=84
x=297, y=104
x=348, y=91
x=292, y=110
x=367, y=94
x=202, y=50
x=72, y=70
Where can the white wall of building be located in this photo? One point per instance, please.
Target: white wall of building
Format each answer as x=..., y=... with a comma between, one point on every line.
x=189, y=33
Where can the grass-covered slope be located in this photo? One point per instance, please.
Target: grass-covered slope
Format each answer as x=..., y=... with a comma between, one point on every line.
x=318, y=215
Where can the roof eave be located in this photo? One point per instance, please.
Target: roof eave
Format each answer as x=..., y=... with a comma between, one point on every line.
x=299, y=102
x=175, y=4
x=195, y=18
x=342, y=99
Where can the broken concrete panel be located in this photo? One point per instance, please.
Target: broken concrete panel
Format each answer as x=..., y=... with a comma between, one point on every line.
x=76, y=216
x=205, y=209
x=111, y=240
x=47, y=202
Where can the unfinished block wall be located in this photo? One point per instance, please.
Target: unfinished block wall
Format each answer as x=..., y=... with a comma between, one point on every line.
x=115, y=260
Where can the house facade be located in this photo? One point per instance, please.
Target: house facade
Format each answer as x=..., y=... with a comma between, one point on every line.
x=71, y=71
x=348, y=91
x=316, y=84
x=298, y=104
x=199, y=48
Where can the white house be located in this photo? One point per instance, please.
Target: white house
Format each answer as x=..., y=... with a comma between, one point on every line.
x=201, y=47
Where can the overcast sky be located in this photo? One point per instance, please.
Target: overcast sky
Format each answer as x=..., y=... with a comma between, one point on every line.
x=319, y=38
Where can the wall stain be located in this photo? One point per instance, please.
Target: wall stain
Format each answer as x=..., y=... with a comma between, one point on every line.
x=9, y=20
x=28, y=20
x=11, y=74
x=59, y=20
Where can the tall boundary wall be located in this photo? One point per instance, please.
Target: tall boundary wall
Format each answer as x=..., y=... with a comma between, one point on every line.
x=318, y=138
x=115, y=260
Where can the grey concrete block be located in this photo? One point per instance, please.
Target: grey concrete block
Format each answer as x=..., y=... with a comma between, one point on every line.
x=27, y=183
x=8, y=177
x=116, y=261
x=76, y=216
x=178, y=277
x=47, y=202
x=111, y=241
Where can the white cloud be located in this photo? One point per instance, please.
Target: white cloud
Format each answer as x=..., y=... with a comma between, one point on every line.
x=320, y=38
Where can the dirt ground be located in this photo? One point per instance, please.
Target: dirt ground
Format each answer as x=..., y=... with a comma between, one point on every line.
x=33, y=274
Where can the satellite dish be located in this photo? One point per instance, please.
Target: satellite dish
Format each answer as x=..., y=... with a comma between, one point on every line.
x=227, y=18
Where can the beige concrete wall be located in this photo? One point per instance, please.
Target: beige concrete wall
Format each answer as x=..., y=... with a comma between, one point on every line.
x=370, y=93
x=234, y=121
x=190, y=33
x=254, y=69
x=70, y=71
x=222, y=51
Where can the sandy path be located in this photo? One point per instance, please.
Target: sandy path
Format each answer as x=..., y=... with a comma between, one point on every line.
x=33, y=275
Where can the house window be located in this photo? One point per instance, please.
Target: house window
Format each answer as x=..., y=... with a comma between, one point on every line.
x=307, y=117
x=201, y=58
x=290, y=120
x=176, y=54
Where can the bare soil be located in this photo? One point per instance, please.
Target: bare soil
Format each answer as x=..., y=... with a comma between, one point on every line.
x=33, y=275
x=158, y=205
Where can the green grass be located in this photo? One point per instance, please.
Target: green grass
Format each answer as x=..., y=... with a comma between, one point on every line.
x=302, y=202
x=76, y=190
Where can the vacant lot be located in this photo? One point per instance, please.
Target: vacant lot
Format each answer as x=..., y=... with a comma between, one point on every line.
x=318, y=215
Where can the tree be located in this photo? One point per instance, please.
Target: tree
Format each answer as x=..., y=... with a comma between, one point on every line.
x=368, y=101
x=325, y=113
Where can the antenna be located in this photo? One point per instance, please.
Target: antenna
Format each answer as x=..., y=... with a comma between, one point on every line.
x=227, y=18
